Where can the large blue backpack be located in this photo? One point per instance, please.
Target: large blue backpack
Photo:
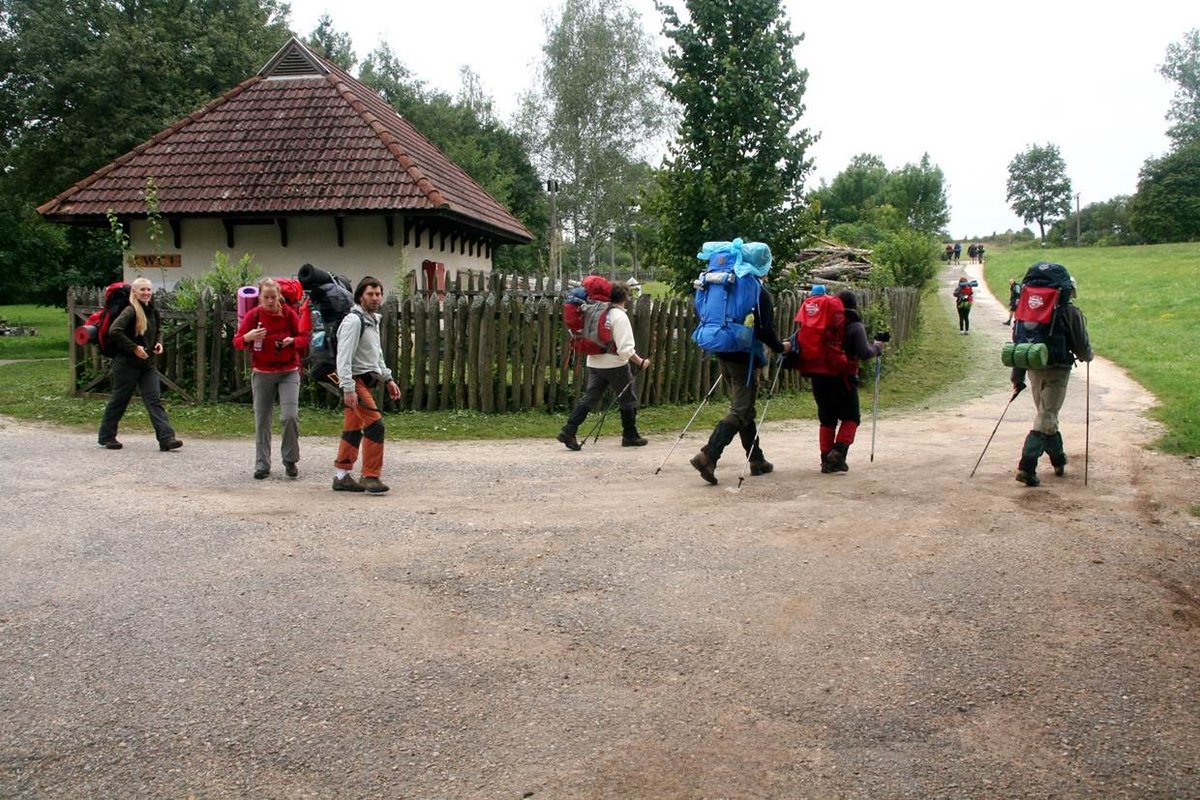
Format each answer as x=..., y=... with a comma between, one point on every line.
x=723, y=302
x=1040, y=322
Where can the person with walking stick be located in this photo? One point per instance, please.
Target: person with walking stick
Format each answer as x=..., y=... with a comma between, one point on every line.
x=740, y=371
x=1047, y=316
x=611, y=371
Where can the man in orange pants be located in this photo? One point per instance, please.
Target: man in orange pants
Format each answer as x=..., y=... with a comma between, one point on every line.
x=360, y=368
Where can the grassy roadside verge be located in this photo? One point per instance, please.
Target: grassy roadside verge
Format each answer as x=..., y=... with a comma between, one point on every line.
x=932, y=363
x=1143, y=310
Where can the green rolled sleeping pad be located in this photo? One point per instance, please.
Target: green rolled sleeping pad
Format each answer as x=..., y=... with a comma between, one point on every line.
x=1025, y=356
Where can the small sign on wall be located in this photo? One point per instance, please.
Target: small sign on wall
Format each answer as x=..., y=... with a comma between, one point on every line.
x=172, y=261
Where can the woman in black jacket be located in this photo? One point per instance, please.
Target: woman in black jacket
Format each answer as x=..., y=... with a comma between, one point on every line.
x=137, y=335
x=837, y=395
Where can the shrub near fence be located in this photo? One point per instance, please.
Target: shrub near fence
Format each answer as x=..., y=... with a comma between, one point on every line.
x=493, y=351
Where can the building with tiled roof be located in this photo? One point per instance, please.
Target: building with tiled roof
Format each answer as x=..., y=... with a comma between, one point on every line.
x=299, y=163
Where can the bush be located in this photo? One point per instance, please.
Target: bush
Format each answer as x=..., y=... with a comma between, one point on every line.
x=906, y=258
x=223, y=278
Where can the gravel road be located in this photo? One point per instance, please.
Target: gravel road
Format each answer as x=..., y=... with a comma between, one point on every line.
x=515, y=620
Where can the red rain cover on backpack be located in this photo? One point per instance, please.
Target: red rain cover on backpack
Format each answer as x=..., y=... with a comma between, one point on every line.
x=94, y=329
x=585, y=313
x=822, y=320
x=293, y=294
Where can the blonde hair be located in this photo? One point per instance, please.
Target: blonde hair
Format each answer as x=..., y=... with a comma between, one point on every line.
x=265, y=282
x=139, y=310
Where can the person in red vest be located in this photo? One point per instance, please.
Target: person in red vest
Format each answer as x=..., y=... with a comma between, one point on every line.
x=271, y=331
x=964, y=297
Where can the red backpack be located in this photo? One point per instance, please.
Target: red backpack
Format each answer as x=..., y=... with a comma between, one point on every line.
x=94, y=329
x=585, y=313
x=293, y=294
x=822, y=320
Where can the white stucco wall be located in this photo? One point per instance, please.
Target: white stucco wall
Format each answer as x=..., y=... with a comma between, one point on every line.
x=310, y=240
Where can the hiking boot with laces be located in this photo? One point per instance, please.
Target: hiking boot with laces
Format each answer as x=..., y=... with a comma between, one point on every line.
x=170, y=444
x=347, y=484
x=373, y=485
x=290, y=468
x=761, y=467
x=1028, y=478
x=837, y=460
x=569, y=440
x=705, y=467
x=111, y=444
x=632, y=441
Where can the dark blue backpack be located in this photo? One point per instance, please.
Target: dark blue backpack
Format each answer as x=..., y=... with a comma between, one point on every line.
x=1040, y=318
x=723, y=302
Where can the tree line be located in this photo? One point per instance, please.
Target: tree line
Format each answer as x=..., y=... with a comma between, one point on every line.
x=1166, y=205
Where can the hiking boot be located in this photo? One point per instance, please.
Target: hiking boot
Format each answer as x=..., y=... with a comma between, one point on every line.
x=1028, y=478
x=837, y=459
x=373, y=485
x=290, y=468
x=569, y=440
x=1059, y=470
x=761, y=467
x=259, y=474
x=629, y=432
x=347, y=484
x=170, y=444
x=706, y=468
x=111, y=444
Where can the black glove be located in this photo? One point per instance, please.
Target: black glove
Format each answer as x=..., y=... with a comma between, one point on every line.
x=883, y=336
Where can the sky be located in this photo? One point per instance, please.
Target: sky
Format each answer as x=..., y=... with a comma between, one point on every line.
x=972, y=84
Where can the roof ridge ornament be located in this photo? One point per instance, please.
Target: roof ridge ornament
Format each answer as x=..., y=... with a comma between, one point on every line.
x=293, y=60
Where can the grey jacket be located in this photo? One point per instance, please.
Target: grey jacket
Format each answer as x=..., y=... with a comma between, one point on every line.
x=359, y=349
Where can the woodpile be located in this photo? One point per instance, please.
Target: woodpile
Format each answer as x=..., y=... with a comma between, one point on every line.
x=832, y=265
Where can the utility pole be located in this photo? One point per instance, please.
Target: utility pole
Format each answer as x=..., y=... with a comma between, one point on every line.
x=1078, y=219
x=555, y=255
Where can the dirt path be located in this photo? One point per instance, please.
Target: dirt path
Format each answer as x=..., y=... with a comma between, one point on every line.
x=515, y=620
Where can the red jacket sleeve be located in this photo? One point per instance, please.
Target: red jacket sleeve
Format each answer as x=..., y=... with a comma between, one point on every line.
x=248, y=323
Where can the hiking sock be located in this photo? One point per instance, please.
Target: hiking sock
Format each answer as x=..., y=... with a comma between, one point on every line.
x=341, y=473
x=825, y=435
x=846, y=431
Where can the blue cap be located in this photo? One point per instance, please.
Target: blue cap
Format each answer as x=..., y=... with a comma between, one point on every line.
x=818, y=289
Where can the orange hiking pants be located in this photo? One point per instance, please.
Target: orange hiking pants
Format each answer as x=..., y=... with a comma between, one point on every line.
x=362, y=422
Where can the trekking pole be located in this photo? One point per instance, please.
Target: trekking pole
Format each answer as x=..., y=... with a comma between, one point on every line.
x=875, y=407
x=758, y=425
x=595, y=431
x=1002, y=413
x=1087, y=418
x=683, y=433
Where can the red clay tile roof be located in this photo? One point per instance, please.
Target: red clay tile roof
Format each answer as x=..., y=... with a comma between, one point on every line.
x=286, y=143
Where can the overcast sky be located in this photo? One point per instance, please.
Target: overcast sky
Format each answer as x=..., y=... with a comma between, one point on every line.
x=971, y=83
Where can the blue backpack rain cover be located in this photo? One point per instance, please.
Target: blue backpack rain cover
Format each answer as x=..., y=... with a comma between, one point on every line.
x=724, y=300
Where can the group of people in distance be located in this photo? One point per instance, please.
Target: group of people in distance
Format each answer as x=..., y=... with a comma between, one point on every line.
x=273, y=334
x=953, y=253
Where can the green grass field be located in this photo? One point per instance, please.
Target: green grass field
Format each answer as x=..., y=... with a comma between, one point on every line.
x=51, y=341
x=1143, y=310
x=932, y=364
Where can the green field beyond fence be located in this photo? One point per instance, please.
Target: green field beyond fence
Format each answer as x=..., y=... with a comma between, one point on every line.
x=1143, y=310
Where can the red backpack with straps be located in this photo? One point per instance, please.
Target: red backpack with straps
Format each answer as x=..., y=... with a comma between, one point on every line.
x=822, y=320
x=585, y=313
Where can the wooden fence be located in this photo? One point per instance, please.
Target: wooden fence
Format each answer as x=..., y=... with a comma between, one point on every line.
x=491, y=351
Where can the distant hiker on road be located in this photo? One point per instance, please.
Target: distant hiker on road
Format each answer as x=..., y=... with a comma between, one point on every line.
x=957, y=251
x=360, y=368
x=1014, y=294
x=964, y=296
x=136, y=334
x=1046, y=318
x=611, y=371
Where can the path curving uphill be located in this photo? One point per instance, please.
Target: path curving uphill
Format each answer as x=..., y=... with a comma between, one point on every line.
x=516, y=620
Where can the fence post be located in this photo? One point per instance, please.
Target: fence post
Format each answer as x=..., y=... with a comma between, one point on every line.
x=72, y=348
x=201, y=344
